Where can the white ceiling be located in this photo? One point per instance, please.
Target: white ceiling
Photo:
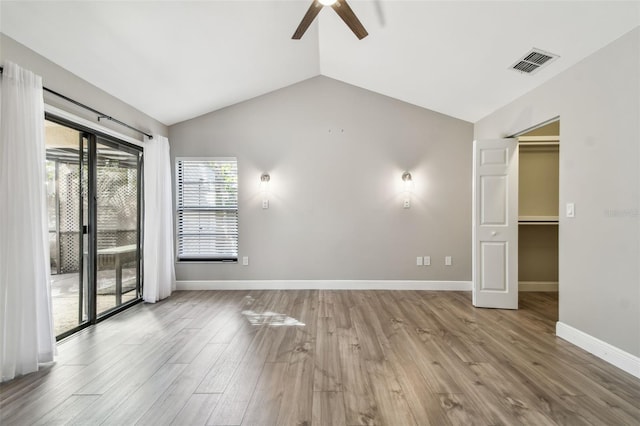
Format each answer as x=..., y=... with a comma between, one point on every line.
x=175, y=60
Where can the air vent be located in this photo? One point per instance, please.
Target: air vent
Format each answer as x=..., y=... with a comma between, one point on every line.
x=533, y=60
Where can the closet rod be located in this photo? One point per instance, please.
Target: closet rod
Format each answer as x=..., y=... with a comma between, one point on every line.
x=101, y=115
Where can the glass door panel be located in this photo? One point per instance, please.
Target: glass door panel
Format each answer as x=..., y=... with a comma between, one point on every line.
x=66, y=196
x=117, y=225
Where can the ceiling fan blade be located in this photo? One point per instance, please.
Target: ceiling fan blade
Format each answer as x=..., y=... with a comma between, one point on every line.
x=308, y=18
x=346, y=13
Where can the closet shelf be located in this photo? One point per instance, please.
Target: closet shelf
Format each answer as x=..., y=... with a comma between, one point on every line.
x=538, y=220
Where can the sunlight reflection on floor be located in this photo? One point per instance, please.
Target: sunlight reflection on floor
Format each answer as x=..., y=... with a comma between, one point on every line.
x=268, y=317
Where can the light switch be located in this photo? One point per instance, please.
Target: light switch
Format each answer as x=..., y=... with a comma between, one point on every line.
x=426, y=261
x=245, y=260
x=571, y=210
x=447, y=260
x=419, y=261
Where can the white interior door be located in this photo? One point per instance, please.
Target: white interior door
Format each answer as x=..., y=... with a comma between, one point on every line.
x=495, y=223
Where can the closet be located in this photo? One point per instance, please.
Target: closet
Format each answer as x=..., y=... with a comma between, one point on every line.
x=538, y=203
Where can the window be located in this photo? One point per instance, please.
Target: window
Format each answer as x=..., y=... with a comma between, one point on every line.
x=207, y=209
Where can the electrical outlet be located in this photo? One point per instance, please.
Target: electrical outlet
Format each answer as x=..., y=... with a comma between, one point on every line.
x=419, y=261
x=426, y=261
x=447, y=260
x=265, y=204
x=406, y=204
x=245, y=260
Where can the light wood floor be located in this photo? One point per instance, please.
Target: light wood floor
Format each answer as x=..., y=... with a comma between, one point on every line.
x=361, y=357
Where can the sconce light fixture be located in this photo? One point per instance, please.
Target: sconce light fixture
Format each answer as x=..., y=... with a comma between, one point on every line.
x=408, y=183
x=264, y=187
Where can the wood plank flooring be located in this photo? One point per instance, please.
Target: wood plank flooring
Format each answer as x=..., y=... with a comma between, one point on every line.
x=324, y=358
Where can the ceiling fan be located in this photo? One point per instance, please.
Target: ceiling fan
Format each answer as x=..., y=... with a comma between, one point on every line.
x=343, y=10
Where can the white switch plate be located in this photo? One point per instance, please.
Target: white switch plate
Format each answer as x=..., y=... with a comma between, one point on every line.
x=571, y=210
x=447, y=260
x=419, y=261
x=265, y=204
x=406, y=204
x=427, y=261
x=245, y=260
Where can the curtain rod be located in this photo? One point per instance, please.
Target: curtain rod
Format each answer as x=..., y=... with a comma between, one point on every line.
x=101, y=115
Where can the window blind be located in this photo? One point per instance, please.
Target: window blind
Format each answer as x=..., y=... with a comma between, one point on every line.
x=207, y=209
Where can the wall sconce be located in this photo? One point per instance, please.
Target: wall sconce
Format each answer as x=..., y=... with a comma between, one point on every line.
x=408, y=184
x=264, y=188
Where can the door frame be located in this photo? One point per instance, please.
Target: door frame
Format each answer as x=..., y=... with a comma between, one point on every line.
x=92, y=136
x=517, y=136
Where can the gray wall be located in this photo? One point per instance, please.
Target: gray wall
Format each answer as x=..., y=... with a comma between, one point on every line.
x=62, y=81
x=598, y=102
x=336, y=154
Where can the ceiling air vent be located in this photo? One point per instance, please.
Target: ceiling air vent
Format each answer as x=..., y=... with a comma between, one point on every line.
x=533, y=60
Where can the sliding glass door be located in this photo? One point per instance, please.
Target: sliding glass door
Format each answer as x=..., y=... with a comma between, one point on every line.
x=117, y=224
x=94, y=209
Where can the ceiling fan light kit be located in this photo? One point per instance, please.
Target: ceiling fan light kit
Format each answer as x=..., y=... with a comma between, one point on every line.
x=343, y=10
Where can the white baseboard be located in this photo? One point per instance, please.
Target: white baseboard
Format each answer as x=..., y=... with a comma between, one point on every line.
x=538, y=286
x=613, y=355
x=323, y=285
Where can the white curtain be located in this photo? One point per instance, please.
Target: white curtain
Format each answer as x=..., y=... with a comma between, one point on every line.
x=26, y=323
x=159, y=274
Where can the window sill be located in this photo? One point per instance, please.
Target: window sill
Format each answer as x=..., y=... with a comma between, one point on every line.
x=232, y=262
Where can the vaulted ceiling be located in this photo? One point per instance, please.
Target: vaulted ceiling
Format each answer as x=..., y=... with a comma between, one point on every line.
x=175, y=60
